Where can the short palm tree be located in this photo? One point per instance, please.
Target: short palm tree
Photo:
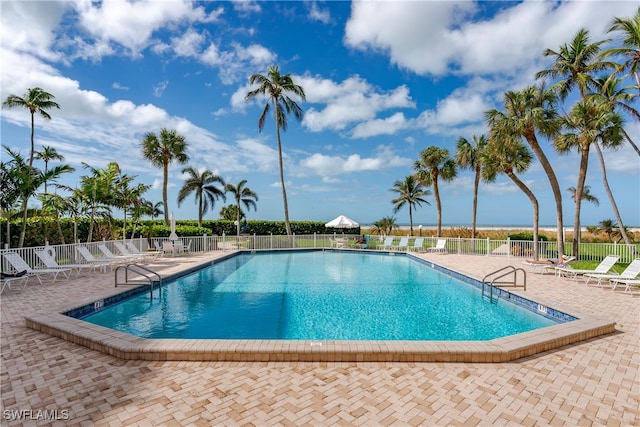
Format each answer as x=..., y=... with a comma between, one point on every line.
x=243, y=195
x=46, y=154
x=435, y=164
x=203, y=185
x=162, y=150
x=385, y=225
x=410, y=192
x=511, y=157
x=35, y=100
x=468, y=157
x=276, y=87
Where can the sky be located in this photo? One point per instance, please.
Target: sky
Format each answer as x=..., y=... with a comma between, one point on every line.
x=383, y=81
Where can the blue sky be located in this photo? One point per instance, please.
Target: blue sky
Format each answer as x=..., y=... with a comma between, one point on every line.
x=383, y=81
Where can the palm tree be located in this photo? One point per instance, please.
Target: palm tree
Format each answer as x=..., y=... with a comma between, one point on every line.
x=526, y=112
x=28, y=179
x=203, y=184
x=586, y=195
x=410, y=192
x=468, y=157
x=35, y=100
x=435, y=163
x=242, y=194
x=511, y=157
x=575, y=65
x=385, y=225
x=98, y=190
x=161, y=151
x=619, y=99
x=46, y=154
x=588, y=124
x=275, y=88
x=630, y=50
x=608, y=227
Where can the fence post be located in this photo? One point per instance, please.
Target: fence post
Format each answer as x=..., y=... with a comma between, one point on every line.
x=314, y=240
x=224, y=241
x=488, y=247
x=271, y=241
x=508, y=247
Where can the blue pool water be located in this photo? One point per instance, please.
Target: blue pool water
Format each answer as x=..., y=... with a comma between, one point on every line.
x=318, y=295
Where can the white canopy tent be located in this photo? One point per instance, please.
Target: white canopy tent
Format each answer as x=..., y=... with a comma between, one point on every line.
x=342, y=222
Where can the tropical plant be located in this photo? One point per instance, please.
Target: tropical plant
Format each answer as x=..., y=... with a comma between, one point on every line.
x=526, y=113
x=410, y=192
x=586, y=195
x=230, y=213
x=275, y=87
x=434, y=164
x=244, y=195
x=35, y=100
x=511, y=157
x=385, y=225
x=629, y=28
x=98, y=190
x=203, y=185
x=162, y=150
x=46, y=154
x=468, y=157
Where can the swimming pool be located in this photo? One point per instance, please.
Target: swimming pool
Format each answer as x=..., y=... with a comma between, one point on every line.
x=319, y=295
x=61, y=320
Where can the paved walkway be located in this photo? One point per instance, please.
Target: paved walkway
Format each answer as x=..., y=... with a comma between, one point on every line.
x=593, y=383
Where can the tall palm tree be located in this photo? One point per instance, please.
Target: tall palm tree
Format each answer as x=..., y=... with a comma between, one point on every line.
x=35, y=100
x=575, y=65
x=275, y=87
x=586, y=195
x=435, y=164
x=243, y=195
x=46, y=154
x=410, y=193
x=468, y=157
x=511, y=157
x=203, y=185
x=28, y=180
x=162, y=150
x=619, y=99
x=526, y=113
x=589, y=123
x=629, y=28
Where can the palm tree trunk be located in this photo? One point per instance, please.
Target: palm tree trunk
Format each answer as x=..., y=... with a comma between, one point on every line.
x=476, y=185
x=284, y=192
x=238, y=217
x=614, y=206
x=410, y=221
x=582, y=176
x=628, y=138
x=555, y=187
x=59, y=226
x=200, y=211
x=23, y=230
x=165, y=182
x=33, y=146
x=536, y=210
x=436, y=194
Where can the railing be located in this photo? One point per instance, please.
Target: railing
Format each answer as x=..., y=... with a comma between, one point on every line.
x=142, y=271
x=66, y=254
x=499, y=274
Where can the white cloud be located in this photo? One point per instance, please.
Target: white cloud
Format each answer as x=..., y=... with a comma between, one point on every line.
x=188, y=44
x=328, y=166
x=388, y=126
x=159, y=88
x=117, y=85
x=315, y=13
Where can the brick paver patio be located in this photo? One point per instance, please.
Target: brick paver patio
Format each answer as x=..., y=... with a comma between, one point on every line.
x=591, y=383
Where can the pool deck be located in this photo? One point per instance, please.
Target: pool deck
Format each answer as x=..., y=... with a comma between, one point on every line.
x=596, y=382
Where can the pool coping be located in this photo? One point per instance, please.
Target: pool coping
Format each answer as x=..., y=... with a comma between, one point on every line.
x=130, y=347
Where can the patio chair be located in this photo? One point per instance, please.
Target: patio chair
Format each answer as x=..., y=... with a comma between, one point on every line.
x=19, y=264
x=134, y=250
x=603, y=268
x=403, y=244
x=134, y=256
x=417, y=245
x=440, y=247
x=388, y=243
x=629, y=283
x=543, y=265
x=110, y=255
x=630, y=273
x=49, y=261
x=8, y=281
x=102, y=263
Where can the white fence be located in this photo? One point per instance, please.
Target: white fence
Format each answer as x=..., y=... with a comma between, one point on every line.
x=502, y=248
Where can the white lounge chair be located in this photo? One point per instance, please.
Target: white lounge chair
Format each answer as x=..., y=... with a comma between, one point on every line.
x=603, y=268
x=134, y=256
x=403, y=244
x=110, y=255
x=542, y=266
x=50, y=262
x=100, y=262
x=388, y=243
x=441, y=246
x=629, y=283
x=417, y=245
x=9, y=281
x=19, y=264
x=134, y=250
x=630, y=273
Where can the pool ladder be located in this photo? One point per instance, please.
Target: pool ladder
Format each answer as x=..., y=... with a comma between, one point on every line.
x=496, y=283
x=149, y=277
